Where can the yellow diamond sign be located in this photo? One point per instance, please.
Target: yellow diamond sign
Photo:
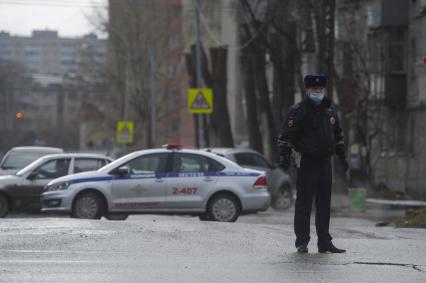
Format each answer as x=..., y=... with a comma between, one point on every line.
x=125, y=131
x=200, y=100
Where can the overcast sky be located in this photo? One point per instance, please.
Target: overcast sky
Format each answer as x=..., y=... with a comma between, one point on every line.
x=69, y=17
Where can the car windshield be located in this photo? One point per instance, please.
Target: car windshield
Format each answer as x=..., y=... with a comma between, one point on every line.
x=18, y=160
x=116, y=162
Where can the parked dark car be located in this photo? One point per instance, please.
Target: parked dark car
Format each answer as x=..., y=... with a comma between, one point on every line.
x=19, y=157
x=278, y=181
x=22, y=191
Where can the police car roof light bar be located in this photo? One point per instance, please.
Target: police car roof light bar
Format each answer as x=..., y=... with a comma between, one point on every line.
x=173, y=146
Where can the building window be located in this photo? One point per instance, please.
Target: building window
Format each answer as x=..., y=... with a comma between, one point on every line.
x=396, y=58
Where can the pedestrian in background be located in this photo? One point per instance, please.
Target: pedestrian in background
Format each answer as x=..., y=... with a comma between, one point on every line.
x=311, y=129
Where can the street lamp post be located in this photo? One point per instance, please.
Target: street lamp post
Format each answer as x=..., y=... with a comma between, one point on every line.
x=199, y=117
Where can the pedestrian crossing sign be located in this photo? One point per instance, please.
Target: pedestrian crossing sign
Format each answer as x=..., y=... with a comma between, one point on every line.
x=200, y=100
x=125, y=132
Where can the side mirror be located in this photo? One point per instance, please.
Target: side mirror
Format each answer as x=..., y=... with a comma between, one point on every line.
x=123, y=171
x=32, y=176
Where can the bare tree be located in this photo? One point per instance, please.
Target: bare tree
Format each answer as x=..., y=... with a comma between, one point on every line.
x=367, y=115
x=139, y=44
x=15, y=84
x=248, y=67
x=270, y=31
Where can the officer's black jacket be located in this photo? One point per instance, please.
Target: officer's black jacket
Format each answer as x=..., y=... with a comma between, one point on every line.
x=312, y=130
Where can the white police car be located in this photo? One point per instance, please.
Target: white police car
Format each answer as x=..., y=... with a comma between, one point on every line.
x=170, y=180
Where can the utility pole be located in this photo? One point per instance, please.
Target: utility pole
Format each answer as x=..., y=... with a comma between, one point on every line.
x=127, y=81
x=153, y=102
x=152, y=70
x=200, y=117
x=127, y=88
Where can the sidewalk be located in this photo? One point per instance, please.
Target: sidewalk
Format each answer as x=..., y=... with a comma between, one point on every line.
x=376, y=212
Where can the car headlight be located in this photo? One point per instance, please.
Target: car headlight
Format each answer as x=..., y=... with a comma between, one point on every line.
x=57, y=187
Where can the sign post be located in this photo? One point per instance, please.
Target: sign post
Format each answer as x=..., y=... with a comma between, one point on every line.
x=201, y=141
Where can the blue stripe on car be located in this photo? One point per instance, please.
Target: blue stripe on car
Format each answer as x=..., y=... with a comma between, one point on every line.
x=95, y=179
x=167, y=175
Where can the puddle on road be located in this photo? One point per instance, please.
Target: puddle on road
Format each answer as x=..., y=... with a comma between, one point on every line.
x=353, y=233
x=51, y=226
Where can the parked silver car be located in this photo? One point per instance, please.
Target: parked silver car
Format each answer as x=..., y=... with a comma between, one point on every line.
x=22, y=191
x=19, y=157
x=170, y=180
x=279, y=183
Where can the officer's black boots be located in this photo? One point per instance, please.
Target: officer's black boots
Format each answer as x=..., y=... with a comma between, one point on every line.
x=330, y=248
x=302, y=249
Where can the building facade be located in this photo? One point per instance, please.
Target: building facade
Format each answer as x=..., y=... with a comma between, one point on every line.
x=380, y=54
x=45, y=101
x=415, y=133
x=45, y=52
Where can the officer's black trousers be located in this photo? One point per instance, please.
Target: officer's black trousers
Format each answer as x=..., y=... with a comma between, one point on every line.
x=314, y=179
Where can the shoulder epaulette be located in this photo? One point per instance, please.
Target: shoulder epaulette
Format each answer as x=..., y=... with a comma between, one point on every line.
x=295, y=107
x=331, y=109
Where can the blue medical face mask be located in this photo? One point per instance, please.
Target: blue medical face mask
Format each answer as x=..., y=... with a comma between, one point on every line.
x=317, y=97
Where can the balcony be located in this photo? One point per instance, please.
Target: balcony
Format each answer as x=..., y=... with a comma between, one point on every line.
x=387, y=13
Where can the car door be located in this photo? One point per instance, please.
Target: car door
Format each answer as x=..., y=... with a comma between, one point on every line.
x=143, y=189
x=191, y=178
x=27, y=195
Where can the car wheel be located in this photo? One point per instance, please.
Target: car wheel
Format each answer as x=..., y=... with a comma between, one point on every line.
x=4, y=206
x=88, y=206
x=224, y=208
x=116, y=216
x=283, y=200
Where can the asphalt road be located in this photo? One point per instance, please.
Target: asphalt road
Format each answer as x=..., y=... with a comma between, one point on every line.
x=257, y=248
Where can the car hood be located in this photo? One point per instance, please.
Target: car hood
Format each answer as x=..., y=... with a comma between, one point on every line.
x=78, y=176
x=9, y=180
x=8, y=171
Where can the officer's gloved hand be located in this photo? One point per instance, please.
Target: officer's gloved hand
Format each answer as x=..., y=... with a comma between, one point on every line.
x=345, y=164
x=284, y=162
x=340, y=151
x=285, y=158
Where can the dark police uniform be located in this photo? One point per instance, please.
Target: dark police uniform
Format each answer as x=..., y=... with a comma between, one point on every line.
x=312, y=130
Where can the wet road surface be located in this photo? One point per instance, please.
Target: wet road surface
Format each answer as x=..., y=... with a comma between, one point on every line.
x=149, y=248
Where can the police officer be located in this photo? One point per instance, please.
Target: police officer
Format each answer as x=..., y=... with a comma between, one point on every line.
x=311, y=128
